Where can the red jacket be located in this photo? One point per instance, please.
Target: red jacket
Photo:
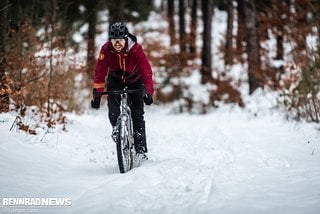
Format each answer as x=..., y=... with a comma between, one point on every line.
x=130, y=65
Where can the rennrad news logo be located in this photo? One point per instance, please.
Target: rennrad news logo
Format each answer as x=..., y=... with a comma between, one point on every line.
x=36, y=202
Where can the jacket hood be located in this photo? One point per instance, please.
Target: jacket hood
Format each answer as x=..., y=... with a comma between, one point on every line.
x=131, y=41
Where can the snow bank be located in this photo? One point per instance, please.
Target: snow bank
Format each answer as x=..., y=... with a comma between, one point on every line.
x=229, y=161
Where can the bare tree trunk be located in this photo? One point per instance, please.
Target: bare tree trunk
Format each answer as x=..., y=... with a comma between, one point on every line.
x=52, y=18
x=318, y=26
x=172, y=31
x=193, y=33
x=91, y=6
x=252, y=45
x=15, y=15
x=241, y=28
x=3, y=27
x=279, y=40
x=4, y=96
x=150, y=4
x=228, y=57
x=207, y=13
x=116, y=11
x=279, y=9
x=35, y=20
x=182, y=27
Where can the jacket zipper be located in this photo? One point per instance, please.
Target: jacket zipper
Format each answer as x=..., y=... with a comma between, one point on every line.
x=122, y=64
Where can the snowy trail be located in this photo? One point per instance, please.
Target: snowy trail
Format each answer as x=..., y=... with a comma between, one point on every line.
x=223, y=162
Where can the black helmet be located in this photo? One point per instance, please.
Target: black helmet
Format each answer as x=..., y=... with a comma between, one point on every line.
x=118, y=30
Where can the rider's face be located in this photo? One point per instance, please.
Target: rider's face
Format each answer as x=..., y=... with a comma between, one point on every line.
x=118, y=44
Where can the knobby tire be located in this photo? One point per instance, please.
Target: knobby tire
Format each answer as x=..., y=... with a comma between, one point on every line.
x=125, y=158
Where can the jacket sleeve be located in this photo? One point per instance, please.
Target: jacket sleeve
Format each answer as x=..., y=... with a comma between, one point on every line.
x=146, y=70
x=100, y=71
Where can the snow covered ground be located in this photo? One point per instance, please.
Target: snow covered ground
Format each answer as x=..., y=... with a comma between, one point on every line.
x=231, y=160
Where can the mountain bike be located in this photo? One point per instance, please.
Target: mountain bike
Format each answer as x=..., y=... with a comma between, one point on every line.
x=124, y=130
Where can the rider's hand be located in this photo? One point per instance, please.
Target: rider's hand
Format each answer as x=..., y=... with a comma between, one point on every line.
x=95, y=102
x=148, y=100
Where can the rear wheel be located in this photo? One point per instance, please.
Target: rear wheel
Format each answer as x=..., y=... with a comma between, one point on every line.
x=124, y=147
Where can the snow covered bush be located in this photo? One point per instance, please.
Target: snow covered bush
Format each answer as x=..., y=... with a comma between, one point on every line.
x=302, y=97
x=41, y=76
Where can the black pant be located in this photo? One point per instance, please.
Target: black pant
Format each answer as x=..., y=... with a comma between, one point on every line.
x=135, y=101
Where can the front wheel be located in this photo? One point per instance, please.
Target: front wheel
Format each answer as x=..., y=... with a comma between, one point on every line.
x=124, y=147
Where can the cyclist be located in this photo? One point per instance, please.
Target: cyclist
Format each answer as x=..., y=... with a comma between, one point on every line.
x=122, y=63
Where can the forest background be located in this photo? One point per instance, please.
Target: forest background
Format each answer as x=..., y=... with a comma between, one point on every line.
x=48, y=52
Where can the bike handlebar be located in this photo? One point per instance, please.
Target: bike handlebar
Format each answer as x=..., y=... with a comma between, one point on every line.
x=123, y=91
